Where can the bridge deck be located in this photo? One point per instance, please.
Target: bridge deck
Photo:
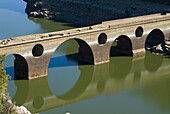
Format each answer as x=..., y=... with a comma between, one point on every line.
x=104, y=26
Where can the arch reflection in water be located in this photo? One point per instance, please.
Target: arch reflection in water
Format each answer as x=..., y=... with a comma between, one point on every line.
x=152, y=62
x=63, y=68
x=22, y=92
x=32, y=92
x=93, y=81
x=156, y=91
x=120, y=67
x=37, y=96
x=81, y=84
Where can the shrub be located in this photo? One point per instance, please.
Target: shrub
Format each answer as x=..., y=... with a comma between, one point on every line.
x=3, y=82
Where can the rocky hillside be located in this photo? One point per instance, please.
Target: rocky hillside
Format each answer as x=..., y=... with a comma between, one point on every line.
x=89, y=12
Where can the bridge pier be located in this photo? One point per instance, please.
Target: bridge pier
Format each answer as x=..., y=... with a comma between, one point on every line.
x=101, y=53
x=38, y=66
x=31, y=67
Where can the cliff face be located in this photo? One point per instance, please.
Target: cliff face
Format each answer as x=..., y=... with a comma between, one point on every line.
x=89, y=12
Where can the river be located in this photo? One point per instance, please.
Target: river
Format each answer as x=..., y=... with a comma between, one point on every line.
x=125, y=85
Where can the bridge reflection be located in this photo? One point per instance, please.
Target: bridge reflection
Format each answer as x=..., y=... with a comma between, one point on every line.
x=107, y=78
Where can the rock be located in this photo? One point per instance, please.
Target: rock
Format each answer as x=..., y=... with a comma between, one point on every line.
x=162, y=48
x=90, y=12
x=21, y=110
x=11, y=107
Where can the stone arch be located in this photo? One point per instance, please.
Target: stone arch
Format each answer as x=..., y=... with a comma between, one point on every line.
x=17, y=66
x=20, y=67
x=85, y=54
x=122, y=46
x=154, y=38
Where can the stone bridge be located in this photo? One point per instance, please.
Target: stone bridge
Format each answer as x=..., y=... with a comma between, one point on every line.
x=33, y=52
x=37, y=96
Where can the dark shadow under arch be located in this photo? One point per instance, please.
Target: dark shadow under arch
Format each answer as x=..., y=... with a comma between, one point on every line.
x=20, y=67
x=122, y=46
x=85, y=53
x=154, y=38
x=16, y=66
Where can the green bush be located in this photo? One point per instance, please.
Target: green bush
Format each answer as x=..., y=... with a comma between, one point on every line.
x=3, y=82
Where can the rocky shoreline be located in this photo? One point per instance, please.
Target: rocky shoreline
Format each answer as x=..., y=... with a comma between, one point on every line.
x=90, y=12
x=11, y=108
x=160, y=49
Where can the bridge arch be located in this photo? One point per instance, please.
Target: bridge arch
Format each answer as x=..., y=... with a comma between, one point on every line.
x=154, y=38
x=121, y=46
x=20, y=69
x=84, y=52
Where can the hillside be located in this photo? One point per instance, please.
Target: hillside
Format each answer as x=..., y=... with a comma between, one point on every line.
x=89, y=12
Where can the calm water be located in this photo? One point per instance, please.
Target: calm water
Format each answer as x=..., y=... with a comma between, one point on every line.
x=125, y=85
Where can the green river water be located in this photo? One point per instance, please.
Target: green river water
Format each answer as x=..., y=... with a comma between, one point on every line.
x=125, y=85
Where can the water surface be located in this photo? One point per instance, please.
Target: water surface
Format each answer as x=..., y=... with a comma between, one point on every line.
x=125, y=85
